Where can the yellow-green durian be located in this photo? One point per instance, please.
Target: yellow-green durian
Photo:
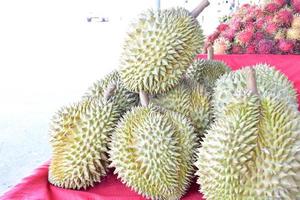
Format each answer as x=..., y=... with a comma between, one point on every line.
x=269, y=81
x=252, y=151
x=227, y=150
x=123, y=98
x=206, y=72
x=79, y=136
x=191, y=99
x=158, y=49
x=152, y=151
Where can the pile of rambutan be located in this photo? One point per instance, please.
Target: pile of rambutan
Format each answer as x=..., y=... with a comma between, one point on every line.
x=272, y=28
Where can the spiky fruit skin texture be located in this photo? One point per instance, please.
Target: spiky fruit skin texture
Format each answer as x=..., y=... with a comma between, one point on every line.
x=227, y=148
x=269, y=81
x=206, y=72
x=190, y=99
x=158, y=49
x=122, y=97
x=252, y=152
x=79, y=135
x=153, y=152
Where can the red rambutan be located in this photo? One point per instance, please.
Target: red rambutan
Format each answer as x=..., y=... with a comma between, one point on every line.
x=228, y=34
x=271, y=7
x=211, y=38
x=222, y=27
x=259, y=36
x=236, y=49
x=250, y=49
x=244, y=37
x=265, y=46
x=271, y=28
x=260, y=23
x=283, y=17
x=280, y=3
x=286, y=46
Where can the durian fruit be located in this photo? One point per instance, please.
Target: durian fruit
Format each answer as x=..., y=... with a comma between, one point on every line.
x=123, y=98
x=206, y=72
x=252, y=150
x=191, y=99
x=79, y=136
x=159, y=48
x=227, y=150
x=152, y=151
x=269, y=81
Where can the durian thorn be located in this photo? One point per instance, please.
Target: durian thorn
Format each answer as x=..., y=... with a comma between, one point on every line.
x=144, y=98
x=201, y=6
x=251, y=81
x=210, y=53
x=109, y=91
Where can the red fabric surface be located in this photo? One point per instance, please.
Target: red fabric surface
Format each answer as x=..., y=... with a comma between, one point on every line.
x=36, y=186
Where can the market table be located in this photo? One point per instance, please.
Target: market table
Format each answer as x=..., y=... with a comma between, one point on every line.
x=36, y=186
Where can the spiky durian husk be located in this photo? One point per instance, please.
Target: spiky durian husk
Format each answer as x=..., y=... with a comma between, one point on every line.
x=276, y=170
x=269, y=81
x=252, y=152
x=158, y=49
x=79, y=135
x=206, y=72
x=227, y=150
x=153, y=151
x=190, y=99
x=123, y=98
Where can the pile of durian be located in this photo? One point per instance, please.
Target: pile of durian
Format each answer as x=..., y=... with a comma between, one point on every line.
x=164, y=118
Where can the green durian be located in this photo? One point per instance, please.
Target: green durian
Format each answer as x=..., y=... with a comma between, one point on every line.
x=252, y=151
x=269, y=81
x=152, y=151
x=123, y=98
x=227, y=150
x=206, y=72
x=190, y=99
x=158, y=49
x=80, y=133
x=79, y=136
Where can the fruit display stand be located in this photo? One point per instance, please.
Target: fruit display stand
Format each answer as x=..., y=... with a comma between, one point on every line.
x=36, y=186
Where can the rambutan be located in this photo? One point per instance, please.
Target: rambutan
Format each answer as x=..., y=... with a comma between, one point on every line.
x=259, y=36
x=244, y=37
x=271, y=7
x=221, y=45
x=211, y=38
x=296, y=7
x=236, y=49
x=222, y=27
x=293, y=34
x=228, y=34
x=286, y=46
x=265, y=46
x=250, y=49
x=280, y=3
x=250, y=26
x=283, y=17
x=296, y=21
x=271, y=28
x=260, y=23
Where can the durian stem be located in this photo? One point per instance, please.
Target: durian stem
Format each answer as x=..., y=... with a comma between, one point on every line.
x=210, y=53
x=109, y=91
x=201, y=6
x=251, y=81
x=144, y=98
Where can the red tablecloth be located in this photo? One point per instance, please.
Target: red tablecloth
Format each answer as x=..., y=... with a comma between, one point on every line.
x=36, y=186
